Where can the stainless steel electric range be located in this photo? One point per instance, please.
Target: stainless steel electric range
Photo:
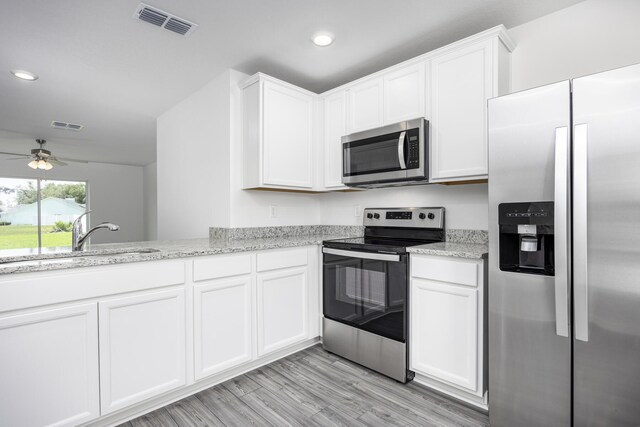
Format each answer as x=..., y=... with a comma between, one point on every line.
x=365, y=288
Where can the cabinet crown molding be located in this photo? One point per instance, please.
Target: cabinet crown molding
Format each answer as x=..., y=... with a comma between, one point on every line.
x=265, y=77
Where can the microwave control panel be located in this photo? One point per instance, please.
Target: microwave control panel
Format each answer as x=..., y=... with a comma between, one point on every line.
x=413, y=159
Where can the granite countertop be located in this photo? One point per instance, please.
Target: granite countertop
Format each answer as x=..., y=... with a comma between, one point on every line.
x=119, y=253
x=460, y=243
x=452, y=249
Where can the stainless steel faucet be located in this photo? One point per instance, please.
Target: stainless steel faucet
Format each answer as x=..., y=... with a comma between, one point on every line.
x=79, y=239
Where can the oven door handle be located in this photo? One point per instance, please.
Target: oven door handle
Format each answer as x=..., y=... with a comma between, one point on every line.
x=362, y=255
x=403, y=165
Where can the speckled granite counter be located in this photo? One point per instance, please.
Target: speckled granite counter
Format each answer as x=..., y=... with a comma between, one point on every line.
x=119, y=253
x=452, y=249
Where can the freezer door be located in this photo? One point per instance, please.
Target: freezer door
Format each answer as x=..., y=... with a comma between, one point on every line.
x=607, y=248
x=529, y=343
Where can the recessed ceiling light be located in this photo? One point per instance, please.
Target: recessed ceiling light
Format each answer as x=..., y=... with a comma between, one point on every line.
x=24, y=75
x=323, y=39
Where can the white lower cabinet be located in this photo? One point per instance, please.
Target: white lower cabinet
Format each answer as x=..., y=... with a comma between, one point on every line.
x=142, y=347
x=222, y=323
x=447, y=324
x=282, y=308
x=70, y=363
x=445, y=343
x=49, y=367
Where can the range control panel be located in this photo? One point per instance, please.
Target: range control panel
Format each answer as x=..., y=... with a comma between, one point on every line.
x=404, y=217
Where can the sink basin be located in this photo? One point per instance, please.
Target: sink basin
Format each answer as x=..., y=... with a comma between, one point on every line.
x=76, y=256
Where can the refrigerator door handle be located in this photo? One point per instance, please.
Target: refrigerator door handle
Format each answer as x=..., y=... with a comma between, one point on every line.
x=562, y=233
x=580, y=279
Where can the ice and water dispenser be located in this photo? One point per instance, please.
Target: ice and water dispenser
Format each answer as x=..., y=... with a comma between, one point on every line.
x=526, y=237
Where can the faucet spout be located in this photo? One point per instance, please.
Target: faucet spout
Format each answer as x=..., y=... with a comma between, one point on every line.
x=80, y=239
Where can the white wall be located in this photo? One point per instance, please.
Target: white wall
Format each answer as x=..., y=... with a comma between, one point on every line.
x=115, y=194
x=466, y=205
x=589, y=37
x=193, y=163
x=150, y=201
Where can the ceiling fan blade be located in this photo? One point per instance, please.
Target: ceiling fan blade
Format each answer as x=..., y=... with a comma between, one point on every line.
x=13, y=154
x=56, y=161
x=19, y=158
x=70, y=160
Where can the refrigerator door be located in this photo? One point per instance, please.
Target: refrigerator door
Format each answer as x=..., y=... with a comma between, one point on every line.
x=529, y=346
x=607, y=248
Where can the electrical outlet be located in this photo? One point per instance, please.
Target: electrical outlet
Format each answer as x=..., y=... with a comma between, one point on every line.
x=357, y=211
x=273, y=211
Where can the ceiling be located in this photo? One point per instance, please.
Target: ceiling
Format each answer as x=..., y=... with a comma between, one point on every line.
x=100, y=67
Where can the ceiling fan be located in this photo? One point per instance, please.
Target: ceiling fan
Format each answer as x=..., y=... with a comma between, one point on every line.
x=41, y=158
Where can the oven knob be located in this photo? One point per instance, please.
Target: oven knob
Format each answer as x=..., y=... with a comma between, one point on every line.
x=369, y=215
x=376, y=216
x=431, y=215
x=422, y=216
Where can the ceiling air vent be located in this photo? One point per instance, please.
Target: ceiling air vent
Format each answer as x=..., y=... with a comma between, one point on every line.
x=68, y=126
x=163, y=19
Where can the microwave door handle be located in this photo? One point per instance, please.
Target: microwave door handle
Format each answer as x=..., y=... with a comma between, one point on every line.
x=403, y=165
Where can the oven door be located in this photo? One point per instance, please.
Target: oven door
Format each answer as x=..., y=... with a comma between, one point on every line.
x=367, y=290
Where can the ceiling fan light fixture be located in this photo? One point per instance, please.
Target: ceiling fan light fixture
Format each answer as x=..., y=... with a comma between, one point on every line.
x=33, y=164
x=25, y=75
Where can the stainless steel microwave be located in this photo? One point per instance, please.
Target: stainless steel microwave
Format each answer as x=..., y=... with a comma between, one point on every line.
x=391, y=155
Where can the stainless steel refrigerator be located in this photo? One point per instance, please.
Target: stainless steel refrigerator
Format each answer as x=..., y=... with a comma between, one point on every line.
x=564, y=253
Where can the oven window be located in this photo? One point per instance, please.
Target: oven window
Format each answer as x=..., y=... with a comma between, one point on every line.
x=369, y=294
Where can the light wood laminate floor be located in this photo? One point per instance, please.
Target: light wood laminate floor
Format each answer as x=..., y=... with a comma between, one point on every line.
x=313, y=388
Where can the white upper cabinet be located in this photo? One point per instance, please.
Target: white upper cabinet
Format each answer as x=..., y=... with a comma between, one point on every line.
x=335, y=127
x=404, y=93
x=462, y=79
x=291, y=137
x=365, y=105
x=277, y=135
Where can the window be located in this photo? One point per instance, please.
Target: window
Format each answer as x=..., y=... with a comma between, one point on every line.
x=37, y=213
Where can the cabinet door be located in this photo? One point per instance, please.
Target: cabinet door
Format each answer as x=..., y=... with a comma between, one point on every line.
x=223, y=335
x=282, y=309
x=287, y=132
x=335, y=127
x=461, y=84
x=142, y=347
x=365, y=105
x=404, y=94
x=49, y=367
x=444, y=330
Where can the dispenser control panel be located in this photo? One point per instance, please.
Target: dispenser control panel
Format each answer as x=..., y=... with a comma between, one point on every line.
x=539, y=213
x=527, y=237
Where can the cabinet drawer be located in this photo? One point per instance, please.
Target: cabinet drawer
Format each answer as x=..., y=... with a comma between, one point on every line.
x=273, y=260
x=457, y=271
x=218, y=266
